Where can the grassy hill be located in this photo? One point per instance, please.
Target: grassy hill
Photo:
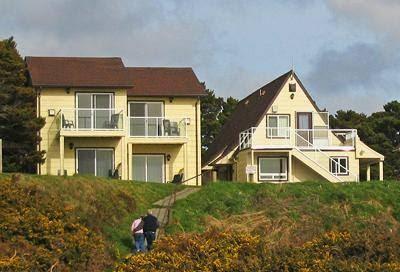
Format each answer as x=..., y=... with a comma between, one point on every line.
x=311, y=226
x=82, y=224
x=296, y=210
x=76, y=223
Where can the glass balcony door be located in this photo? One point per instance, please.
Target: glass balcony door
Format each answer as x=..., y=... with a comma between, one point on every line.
x=95, y=161
x=94, y=110
x=149, y=168
x=146, y=118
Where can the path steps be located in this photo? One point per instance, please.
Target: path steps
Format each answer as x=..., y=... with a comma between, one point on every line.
x=162, y=209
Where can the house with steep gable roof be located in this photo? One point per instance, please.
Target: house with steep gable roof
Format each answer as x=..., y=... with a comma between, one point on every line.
x=278, y=134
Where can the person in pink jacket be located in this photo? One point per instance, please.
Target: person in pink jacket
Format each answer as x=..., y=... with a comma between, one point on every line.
x=138, y=235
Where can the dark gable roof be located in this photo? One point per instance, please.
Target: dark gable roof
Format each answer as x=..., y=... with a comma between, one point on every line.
x=161, y=81
x=77, y=72
x=248, y=113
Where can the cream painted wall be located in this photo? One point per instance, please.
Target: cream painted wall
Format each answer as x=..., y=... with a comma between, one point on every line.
x=183, y=154
x=300, y=171
x=176, y=110
x=284, y=104
x=287, y=106
x=57, y=99
x=173, y=166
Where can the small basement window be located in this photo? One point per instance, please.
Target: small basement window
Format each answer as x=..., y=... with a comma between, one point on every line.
x=272, y=169
x=339, y=166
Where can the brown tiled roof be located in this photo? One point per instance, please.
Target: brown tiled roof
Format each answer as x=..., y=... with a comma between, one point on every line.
x=160, y=81
x=77, y=72
x=248, y=113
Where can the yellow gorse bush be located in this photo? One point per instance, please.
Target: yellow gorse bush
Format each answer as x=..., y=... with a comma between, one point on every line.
x=38, y=233
x=232, y=251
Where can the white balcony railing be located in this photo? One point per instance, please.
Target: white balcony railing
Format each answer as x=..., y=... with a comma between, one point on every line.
x=157, y=127
x=325, y=137
x=89, y=119
x=246, y=138
x=303, y=138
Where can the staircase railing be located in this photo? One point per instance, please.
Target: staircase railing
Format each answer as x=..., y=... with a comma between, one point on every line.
x=330, y=160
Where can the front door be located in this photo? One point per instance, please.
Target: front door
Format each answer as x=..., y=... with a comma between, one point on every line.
x=304, y=135
x=148, y=168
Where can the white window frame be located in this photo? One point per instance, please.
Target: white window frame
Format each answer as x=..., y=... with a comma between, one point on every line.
x=93, y=107
x=273, y=176
x=281, y=132
x=95, y=157
x=339, y=170
x=145, y=165
x=146, y=117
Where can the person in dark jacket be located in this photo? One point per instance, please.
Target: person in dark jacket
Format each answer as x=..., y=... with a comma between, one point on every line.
x=150, y=227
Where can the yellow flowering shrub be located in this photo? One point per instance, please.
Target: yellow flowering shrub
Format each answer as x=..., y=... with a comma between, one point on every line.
x=38, y=233
x=210, y=251
x=233, y=251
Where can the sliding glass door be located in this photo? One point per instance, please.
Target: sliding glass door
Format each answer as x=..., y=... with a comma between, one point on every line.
x=148, y=168
x=146, y=118
x=94, y=110
x=95, y=161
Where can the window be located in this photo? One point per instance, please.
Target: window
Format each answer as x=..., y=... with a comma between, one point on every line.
x=272, y=169
x=148, y=168
x=278, y=126
x=95, y=161
x=146, y=118
x=339, y=166
x=94, y=110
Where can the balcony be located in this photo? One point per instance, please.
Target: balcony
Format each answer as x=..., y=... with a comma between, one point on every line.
x=285, y=137
x=91, y=122
x=146, y=129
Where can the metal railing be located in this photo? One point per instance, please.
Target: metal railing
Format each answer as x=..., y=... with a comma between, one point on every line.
x=91, y=119
x=157, y=127
x=304, y=138
x=325, y=137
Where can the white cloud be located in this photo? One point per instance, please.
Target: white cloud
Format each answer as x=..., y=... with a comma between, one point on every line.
x=380, y=16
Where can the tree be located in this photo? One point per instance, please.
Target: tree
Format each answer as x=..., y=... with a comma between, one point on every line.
x=380, y=131
x=19, y=125
x=215, y=111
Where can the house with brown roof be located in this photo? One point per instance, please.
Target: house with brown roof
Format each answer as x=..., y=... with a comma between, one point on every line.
x=278, y=134
x=105, y=119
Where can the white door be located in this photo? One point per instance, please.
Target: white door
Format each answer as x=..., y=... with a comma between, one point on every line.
x=148, y=168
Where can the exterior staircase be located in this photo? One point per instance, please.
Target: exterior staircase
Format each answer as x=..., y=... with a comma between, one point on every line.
x=314, y=165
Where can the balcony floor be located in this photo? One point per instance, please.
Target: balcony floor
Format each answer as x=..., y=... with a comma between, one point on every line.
x=157, y=140
x=92, y=133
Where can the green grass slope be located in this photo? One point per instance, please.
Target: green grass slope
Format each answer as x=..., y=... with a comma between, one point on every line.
x=291, y=211
x=47, y=220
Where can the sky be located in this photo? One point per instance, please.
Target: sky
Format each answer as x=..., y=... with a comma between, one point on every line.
x=345, y=52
